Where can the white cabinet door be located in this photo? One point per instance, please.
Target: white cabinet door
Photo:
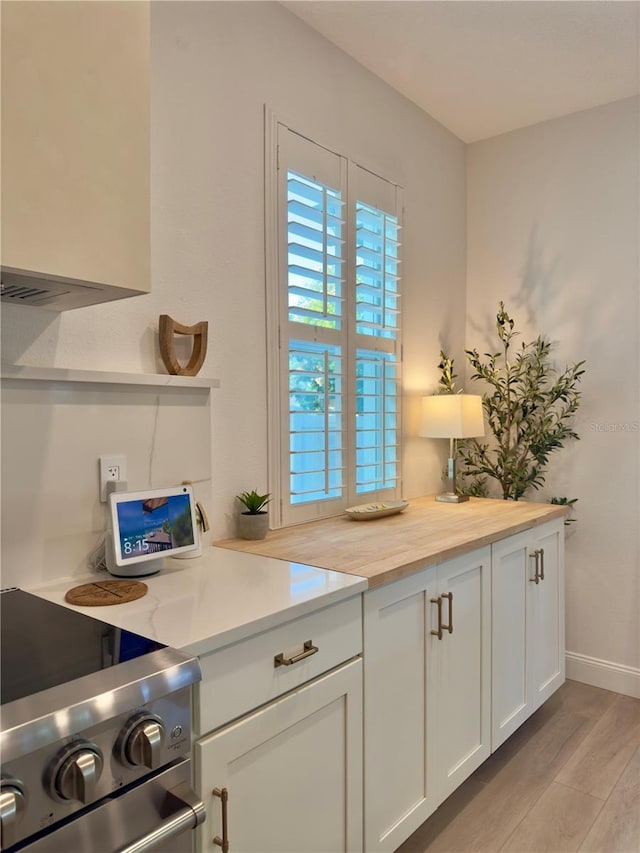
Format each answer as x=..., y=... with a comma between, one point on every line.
x=398, y=770
x=528, y=625
x=510, y=691
x=292, y=770
x=546, y=642
x=460, y=677
x=427, y=695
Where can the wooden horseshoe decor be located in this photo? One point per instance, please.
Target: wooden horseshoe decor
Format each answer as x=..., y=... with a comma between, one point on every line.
x=168, y=328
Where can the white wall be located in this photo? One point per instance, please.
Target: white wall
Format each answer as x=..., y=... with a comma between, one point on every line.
x=553, y=230
x=52, y=436
x=214, y=67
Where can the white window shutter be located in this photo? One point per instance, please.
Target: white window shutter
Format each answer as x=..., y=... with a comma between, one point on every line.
x=337, y=412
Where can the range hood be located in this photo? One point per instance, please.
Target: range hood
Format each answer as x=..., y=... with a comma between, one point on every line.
x=75, y=143
x=55, y=293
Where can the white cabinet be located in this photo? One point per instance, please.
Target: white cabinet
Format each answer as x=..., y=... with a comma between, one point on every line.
x=527, y=626
x=290, y=770
x=427, y=690
x=343, y=752
x=75, y=152
x=461, y=670
x=398, y=772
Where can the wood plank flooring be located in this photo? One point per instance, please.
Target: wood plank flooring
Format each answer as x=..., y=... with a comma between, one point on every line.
x=567, y=780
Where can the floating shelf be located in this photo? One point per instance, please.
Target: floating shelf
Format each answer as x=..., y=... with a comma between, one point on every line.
x=63, y=374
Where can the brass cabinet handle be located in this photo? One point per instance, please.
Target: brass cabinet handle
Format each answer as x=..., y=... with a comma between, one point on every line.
x=224, y=841
x=534, y=556
x=438, y=601
x=308, y=649
x=541, y=552
x=449, y=627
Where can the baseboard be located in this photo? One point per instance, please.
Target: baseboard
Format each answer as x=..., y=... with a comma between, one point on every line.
x=603, y=673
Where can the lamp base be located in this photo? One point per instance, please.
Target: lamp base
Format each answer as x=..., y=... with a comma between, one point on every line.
x=451, y=498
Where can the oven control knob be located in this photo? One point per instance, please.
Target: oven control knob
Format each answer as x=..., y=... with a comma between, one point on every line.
x=13, y=802
x=76, y=772
x=141, y=742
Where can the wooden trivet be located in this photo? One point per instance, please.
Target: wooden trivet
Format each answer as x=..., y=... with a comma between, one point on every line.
x=106, y=592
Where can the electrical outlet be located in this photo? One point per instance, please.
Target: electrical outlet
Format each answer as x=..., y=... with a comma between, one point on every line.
x=112, y=469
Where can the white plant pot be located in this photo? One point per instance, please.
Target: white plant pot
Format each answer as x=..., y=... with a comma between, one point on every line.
x=253, y=525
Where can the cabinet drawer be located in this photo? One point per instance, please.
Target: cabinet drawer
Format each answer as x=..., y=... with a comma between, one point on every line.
x=243, y=676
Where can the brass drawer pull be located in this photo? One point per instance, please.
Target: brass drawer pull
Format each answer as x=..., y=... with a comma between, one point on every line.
x=534, y=556
x=541, y=564
x=307, y=650
x=224, y=841
x=449, y=627
x=438, y=601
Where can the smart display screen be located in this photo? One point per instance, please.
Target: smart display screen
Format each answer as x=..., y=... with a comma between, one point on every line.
x=152, y=524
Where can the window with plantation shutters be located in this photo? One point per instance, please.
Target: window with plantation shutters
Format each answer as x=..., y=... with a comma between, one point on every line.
x=334, y=335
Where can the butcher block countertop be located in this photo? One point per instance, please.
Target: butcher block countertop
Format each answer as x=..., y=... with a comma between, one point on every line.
x=386, y=549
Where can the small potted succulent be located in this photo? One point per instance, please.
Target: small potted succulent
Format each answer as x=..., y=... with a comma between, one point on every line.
x=253, y=520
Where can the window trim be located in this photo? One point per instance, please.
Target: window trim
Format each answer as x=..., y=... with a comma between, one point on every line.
x=273, y=378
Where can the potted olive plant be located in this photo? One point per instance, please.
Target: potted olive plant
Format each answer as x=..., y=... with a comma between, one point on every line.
x=253, y=520
x=529, y=407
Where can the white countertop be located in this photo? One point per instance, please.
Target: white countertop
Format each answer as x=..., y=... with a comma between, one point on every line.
x=202, y=604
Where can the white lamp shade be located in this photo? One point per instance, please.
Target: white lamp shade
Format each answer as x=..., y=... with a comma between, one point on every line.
x=452, y=416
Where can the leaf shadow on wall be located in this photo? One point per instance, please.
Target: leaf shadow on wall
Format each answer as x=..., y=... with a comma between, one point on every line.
x=552, y=297
x=543, y=303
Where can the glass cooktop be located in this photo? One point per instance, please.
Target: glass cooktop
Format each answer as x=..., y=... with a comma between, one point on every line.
x=44, y=644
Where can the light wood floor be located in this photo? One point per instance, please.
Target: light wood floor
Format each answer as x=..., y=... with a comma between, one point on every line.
x=568, y=779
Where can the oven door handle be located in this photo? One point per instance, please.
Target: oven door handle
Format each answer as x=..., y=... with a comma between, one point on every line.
x=190, y=813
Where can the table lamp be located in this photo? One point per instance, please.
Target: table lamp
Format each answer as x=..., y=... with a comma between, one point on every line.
x=452, y=416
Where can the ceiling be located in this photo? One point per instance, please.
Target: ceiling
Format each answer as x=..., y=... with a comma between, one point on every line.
x=484, y=67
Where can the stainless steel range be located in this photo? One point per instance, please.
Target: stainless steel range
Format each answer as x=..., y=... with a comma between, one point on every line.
x=96, y=731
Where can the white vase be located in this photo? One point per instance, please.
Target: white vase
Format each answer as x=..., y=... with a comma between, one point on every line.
x=253, y=525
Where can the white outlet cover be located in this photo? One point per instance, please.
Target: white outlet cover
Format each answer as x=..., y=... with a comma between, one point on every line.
x=105, y=463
